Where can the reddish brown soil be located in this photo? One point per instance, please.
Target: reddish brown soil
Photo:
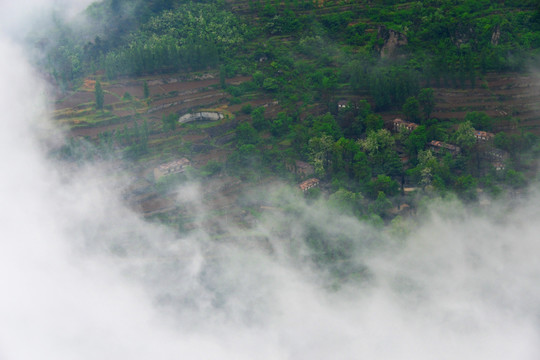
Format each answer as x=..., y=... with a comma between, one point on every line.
x=189, y=94
x=156, y=205
x=219, y=155
x=194, y=137
x=158, y=87
x=134, y=90
x=501, y=96
x=75, y=99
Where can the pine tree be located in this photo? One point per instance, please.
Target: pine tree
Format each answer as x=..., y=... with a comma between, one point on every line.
x=99, y=95
x=146, y=90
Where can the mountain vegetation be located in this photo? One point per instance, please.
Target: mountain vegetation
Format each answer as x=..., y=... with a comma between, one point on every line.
x=336, y=74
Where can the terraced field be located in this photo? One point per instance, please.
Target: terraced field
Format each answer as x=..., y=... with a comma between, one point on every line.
x=124, y=101
x=513, y=100
x=201, y=142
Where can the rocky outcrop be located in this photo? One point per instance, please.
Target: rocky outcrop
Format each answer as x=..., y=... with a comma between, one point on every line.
x=495, y=37
x=463, y=34
x=391, y=41
x=202, y=115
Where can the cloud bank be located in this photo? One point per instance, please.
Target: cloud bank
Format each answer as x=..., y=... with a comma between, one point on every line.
x=83, y=277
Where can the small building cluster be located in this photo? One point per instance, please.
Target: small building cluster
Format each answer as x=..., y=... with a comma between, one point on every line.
x=308, y=184
x=401, y=124
x=486, y=150
x=173, y=167
x=496, y=157
x=440, y=147
x=483, y=135
x=342, y=104
x=495, y=154
x=498, y=165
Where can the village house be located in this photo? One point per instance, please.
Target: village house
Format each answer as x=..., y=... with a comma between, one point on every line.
x=401, y=124
x=483, y=135
x=308, y=184
x=496, y=157
x=495, y=154
x=342, y=104
x=173, y=167
x=300, y=168
x=499, y=166
x=441, y=147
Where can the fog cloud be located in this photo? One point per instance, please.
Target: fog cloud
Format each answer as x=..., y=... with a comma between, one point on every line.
x=84, y=277
x=17, y=17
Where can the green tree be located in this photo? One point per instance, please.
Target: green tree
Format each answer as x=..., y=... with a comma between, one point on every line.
x=258, y=119
x=270, y=84
x=246, y=134
x=326, y=124
x=146, y=90
x=344, y=151
x=319, y=153
x=480, y=120
x=384, y=184
x=377, y=141
x=169, y=122
x=258, y=78
x=345, y=200
x=411, y=109
x=381, y=205
x=374, y=122
x=417, y=140
x=466, y=187
x=281, y=123
x=464, y=136
x=427, y=101
x=379, y=147
x=427, y=169
x=100, y=97
x=514, y=179
x=361, y=167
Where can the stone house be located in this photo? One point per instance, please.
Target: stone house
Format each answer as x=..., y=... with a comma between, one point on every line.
x=399, y=124
x=441, y=147
x=483, y=135
x=308, y=184
x=172, y=167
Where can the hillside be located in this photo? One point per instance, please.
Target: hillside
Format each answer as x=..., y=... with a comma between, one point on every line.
x=300, y=82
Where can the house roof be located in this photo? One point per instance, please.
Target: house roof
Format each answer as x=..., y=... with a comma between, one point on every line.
x=401, y=123
x=443, y=145
x=309, y=183
x=485, y=134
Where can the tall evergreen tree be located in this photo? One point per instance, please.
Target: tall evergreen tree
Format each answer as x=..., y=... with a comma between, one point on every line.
x=146, y=90
x=98, y=91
